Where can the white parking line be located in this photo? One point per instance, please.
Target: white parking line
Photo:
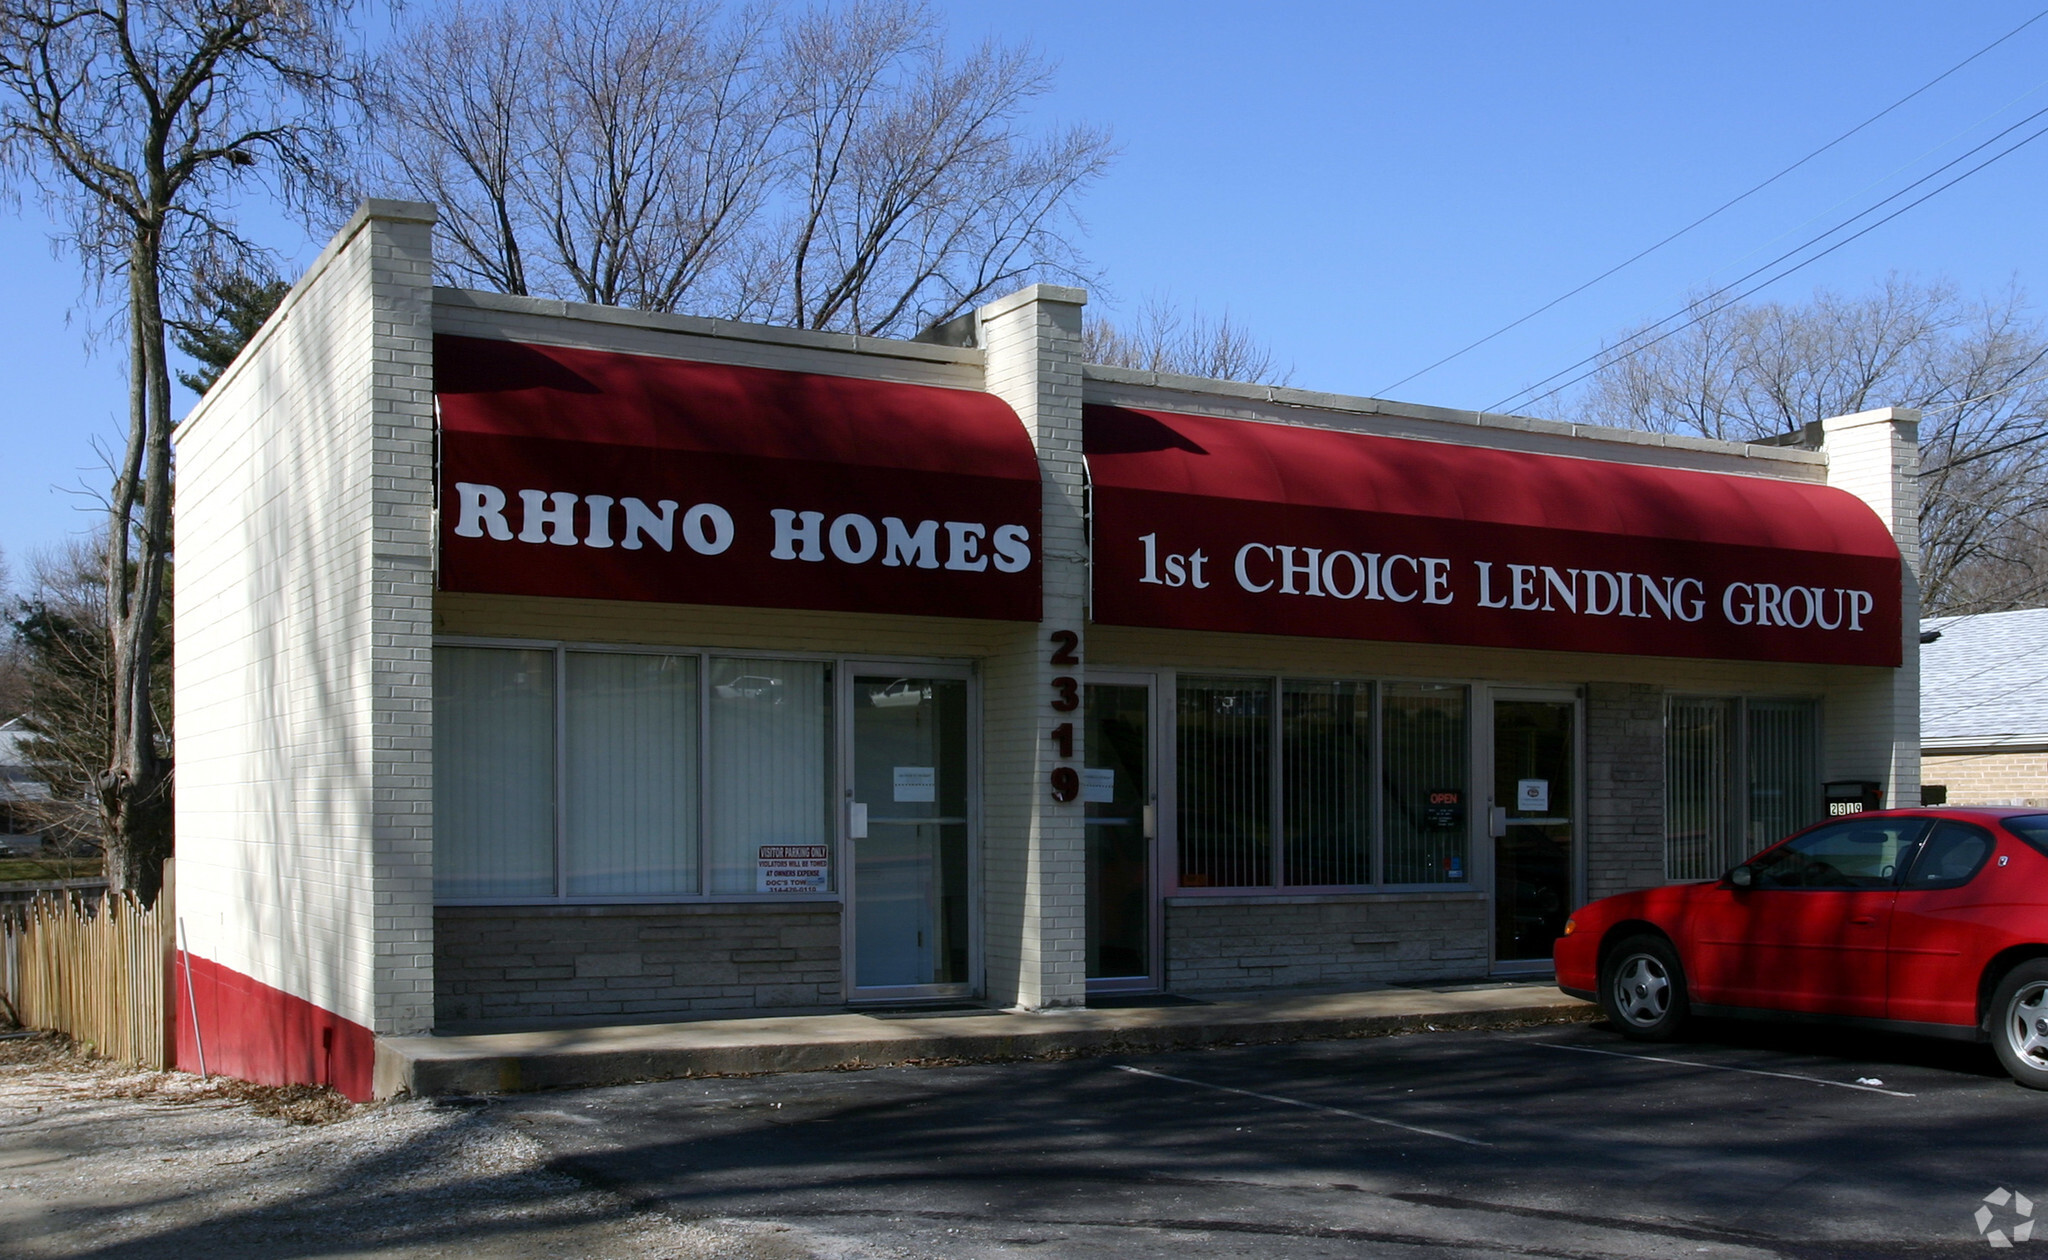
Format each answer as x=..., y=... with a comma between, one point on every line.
x=1309, y=1106
x=1716, y=1067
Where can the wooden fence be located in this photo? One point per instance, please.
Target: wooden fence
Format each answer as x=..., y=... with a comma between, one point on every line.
x=99, y=973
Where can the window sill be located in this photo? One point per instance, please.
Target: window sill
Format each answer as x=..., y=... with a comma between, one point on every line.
x=598, y=909
x=1229, y=897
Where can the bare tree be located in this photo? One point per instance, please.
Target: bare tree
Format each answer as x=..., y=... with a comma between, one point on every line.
x=1977, y=370
x=1166, y=338
x=458, y=127
x=63, y=644
x=135, y=120
x=830, y=170
x=13, y=679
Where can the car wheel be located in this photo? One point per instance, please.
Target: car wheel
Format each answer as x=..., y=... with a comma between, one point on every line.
x=1642, y=989
x=2019, y=1023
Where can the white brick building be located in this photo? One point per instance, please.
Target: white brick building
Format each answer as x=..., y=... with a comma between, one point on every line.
x=546, y=664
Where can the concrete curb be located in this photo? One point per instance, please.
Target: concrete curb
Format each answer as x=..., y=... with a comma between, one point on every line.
x=430, y=1066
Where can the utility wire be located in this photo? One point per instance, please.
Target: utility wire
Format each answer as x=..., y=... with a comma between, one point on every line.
x=1810, y=241
x=1716, y=211
x=1880, y=181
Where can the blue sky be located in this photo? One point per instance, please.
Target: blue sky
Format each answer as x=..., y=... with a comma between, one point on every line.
x=1371, y=186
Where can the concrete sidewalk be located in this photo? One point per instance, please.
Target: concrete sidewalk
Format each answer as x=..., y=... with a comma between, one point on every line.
x=487, y=1063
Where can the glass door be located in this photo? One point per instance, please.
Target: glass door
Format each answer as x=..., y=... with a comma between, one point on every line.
x=908, y=829
x=1535, y=794
x=1116, y=787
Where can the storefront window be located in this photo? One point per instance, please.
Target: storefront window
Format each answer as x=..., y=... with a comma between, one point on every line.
x=1426, y=792
x=494, y=773
x=629, y=778
x=1738, y=775
x=1699, y=785
x=1226, y=767
x=1784, y=769
x=636, y=779
x=1318, y=747
x=770, y=768
x=1326, y=760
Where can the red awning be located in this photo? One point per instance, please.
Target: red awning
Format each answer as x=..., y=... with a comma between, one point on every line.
x=620, y=476
x=1215, y=524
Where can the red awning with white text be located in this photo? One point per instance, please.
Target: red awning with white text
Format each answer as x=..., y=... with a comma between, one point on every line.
x=601, y=475
x=1214, y=524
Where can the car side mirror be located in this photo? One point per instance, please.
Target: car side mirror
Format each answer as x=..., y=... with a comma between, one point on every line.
x=1742, y=876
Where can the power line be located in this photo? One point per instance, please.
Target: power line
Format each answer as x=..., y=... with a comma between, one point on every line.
x=1881, y=180
x=1731, y=202
x=1810, y=241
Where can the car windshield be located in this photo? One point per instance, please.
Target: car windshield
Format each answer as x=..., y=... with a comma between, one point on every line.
x=2032, y=828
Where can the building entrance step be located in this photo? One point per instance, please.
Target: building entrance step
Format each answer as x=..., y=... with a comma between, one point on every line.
x=510, y=1062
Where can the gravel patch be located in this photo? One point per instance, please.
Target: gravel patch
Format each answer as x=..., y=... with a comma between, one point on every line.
x=97, y=1160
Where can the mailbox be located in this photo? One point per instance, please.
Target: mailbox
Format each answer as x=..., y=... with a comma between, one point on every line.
x=1852, y=796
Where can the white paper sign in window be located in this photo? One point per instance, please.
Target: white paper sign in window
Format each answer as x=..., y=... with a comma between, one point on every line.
x=917, y=784
x=1098, y=785
x=1532, y=796
x=793, y=868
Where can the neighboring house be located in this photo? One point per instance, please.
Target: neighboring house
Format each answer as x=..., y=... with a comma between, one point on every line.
x=19, y=834
x=1984, y=708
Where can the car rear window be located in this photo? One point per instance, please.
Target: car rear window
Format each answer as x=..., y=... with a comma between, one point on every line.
x=2032, y=828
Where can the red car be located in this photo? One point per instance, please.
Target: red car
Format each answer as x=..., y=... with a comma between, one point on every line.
x=1930, y=921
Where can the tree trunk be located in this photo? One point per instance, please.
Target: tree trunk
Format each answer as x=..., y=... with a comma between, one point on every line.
x=134, y=790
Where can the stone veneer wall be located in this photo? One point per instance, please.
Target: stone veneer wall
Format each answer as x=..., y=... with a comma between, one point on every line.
x=1222, y=943
x=501, y=964
x=1624, y=788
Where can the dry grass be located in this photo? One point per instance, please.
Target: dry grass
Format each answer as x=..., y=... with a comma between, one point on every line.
x=42, y=870
x=95, y=1077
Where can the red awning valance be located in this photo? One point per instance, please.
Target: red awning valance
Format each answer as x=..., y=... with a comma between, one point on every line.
x=1216, y=524
x=621, y=476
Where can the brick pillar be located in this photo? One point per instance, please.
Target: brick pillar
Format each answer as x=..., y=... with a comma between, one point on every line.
x=1873, y=727
x=1034, y=867
x=401, y=352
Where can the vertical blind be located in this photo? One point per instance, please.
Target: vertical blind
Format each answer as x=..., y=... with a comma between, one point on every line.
x=635, y=779
x=494, y=773
x=1699, y=759
x=1784, y=768
x=770, y=763
x=1225, y=799
x=1304, y=772
x=1425, y=765
x=1738, y=775
x=1326, y=772
x=629, y=775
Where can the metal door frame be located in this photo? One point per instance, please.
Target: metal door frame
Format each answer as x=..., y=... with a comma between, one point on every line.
x=1155, y=886
x=907, y=667
x=1484, y=752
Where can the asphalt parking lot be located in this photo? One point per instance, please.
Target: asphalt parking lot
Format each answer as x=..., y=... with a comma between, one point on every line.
x=1745, y=1140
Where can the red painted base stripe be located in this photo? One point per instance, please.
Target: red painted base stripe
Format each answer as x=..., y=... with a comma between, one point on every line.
x=266, y=1035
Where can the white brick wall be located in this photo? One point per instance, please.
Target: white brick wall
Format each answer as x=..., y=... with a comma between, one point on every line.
x=304, y=502
x=1871, y=728
x=1034, y=872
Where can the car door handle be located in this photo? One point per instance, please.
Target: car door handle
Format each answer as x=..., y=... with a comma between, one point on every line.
x=1864, y=920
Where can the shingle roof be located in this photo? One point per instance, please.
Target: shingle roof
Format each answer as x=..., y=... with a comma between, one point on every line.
x=1985, y=680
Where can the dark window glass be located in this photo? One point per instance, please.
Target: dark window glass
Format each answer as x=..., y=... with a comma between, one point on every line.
x=2032, y=828
x=1865, y=853
x=1951, y=856
x=1426, y=753
x=1226, y=782
x=1326, y=766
